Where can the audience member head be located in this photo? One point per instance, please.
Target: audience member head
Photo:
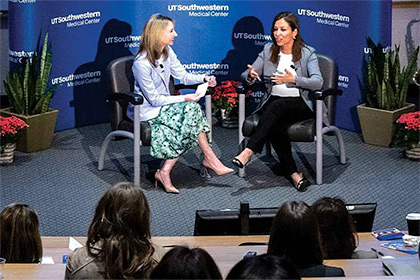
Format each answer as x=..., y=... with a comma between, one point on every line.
x=184, y=263
x=121, y=227
x=266, y=267
x=151, y=37
x=20, y=239
x=298, y=43
x=336, y=226
x=294, y=235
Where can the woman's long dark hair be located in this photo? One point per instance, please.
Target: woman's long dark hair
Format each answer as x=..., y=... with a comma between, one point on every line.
x=338, y=233
x=298, y=43
x=294, y=235
x=184, y=263
x=19, y=232
x=121, y=230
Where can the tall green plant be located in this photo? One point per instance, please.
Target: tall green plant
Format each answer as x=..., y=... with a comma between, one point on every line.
x=386, y=84
x=28, y=90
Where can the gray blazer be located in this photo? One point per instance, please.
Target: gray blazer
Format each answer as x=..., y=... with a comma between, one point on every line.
x=152, y=81
x=81, y=265
x=307, y=69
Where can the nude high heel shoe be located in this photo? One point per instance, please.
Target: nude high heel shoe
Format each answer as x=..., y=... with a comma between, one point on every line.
x=219, y=171
x=159, y=182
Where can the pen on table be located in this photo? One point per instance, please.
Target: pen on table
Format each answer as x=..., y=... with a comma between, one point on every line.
x=377, y=252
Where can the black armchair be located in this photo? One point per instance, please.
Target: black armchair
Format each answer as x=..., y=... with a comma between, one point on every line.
x=121, y=86
x=308, y=130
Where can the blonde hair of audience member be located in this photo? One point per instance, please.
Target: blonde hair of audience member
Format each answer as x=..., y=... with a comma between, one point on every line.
x=122, y=223
x=151, y=37
x=20, y=239
x=338, y=232
x=185, y=263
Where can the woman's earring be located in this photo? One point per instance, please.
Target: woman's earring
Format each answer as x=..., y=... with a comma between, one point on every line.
x=294, y=37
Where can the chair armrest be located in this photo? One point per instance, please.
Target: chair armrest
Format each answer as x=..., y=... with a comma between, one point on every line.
x=133, y=98
x=320, y=95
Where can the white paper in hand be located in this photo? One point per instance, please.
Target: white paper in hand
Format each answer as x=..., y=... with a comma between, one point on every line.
x=201, y=90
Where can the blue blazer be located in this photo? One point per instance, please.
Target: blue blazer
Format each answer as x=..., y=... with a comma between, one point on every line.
x=308, y=74
x=152, y=81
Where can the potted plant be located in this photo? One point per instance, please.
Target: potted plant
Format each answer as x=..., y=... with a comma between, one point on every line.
x=408, y=134
x=10, y=130
x=225, y=101
x=30, y=95
x=385, y=86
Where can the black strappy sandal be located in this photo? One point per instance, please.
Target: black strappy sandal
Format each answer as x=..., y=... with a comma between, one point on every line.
x=302, y=185
x=239, y=163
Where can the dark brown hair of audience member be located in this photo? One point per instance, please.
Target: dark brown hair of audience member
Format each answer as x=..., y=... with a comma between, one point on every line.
x=184, y=263
x=298, y=44
x=121, y=225
x=336, y=226
x=294, y=235
x=20, y=239
x=265, y=266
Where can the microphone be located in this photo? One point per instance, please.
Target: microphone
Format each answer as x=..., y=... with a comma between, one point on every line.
x=161, y=66
x=293, y=67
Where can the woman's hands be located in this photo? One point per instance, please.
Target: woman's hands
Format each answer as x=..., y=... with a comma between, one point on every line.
x=252, y=73
x=279, y=79
x=211, y=80
x=192, y=97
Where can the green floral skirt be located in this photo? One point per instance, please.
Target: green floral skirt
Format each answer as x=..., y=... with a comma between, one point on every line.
x=175, y=130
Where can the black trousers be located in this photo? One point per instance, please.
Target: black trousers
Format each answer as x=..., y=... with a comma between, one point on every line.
x=276, y=117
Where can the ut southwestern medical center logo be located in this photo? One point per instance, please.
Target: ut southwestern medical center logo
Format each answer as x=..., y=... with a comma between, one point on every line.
x=75, y=20
x=333, y=19
x=73, y=80
x=195, y=10
x=219, y=69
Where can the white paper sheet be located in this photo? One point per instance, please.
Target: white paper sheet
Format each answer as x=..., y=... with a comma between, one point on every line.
x=201, y=90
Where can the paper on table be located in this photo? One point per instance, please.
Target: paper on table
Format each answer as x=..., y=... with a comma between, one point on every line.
x=74, y=244
x=47, y=260
x=201, y=90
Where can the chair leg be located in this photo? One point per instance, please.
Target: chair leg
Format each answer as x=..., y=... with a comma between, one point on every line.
x=241, y=120
x=108, y=139
x=209, y=116
x=137, y=143
x=340, y=142
x=319, y=133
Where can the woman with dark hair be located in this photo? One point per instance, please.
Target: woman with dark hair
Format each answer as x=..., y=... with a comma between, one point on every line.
x=289, y=69
x=19, y=233
x=184, y=263
x=177, y=122
x=337, y=229
x=294, y=237
x=265, y=266
x=118, y=244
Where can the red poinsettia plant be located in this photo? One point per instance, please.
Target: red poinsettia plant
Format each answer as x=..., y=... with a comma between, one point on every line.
x=408, y=130
x=10, y=129
x=225, y=97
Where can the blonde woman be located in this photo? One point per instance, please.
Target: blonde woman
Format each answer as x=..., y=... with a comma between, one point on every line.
x=177, y=122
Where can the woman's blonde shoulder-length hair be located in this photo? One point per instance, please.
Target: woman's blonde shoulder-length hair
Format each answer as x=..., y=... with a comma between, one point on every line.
x=150, y=39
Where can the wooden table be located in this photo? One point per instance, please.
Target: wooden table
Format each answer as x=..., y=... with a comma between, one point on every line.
x=224, y=250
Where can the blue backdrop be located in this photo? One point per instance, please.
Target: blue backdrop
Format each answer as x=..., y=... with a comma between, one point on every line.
x=215, y=37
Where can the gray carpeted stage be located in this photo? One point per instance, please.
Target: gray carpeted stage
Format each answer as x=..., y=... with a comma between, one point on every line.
x=63, y=184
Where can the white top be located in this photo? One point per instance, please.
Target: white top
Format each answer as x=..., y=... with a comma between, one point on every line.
x=285, y=62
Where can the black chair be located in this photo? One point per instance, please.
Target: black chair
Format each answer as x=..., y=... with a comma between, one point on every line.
x=308, y=130
x=121, y=86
